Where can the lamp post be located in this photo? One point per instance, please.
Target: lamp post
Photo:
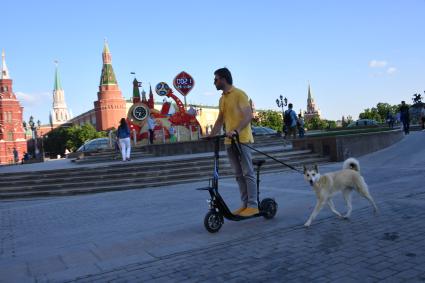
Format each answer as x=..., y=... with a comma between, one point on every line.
x=37, y=152
x=282, y=102
x=32, y=127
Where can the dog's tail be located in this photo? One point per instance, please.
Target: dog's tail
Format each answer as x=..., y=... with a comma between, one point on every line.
x=351, y=163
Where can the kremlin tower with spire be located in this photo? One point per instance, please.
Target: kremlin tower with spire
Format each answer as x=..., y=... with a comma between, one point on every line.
x=311, y=107
x=12, y=134
x=110, y=106
x=59, y=114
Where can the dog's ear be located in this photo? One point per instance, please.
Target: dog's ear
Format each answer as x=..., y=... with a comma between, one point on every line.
x=316, y=168
x=305, y=168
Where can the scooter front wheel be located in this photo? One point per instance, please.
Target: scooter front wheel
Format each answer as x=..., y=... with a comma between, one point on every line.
x=268, y=208
x=213, y=221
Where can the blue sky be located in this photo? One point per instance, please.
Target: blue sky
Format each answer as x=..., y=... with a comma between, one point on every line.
x=354, y=53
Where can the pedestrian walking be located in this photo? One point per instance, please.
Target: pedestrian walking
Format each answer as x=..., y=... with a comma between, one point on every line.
x=15, y=155
x=405, y=117
x=123, y=134
x=172, y=132
x=151, y=127
x=390, y=120
x=291, y=121
x=300, y=125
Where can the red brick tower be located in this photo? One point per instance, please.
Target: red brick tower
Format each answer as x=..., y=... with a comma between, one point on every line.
x=11, y=130
x=110, y=106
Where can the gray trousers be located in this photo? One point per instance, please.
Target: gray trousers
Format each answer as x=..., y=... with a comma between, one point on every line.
x=245, y=176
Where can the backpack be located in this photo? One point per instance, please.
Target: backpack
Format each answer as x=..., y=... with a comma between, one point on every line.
x=288, y=118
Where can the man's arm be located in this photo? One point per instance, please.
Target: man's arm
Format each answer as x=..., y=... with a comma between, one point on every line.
x=217, y=125
x=247, y=118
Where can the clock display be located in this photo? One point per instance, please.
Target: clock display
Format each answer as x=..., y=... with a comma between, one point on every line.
x=140, y=113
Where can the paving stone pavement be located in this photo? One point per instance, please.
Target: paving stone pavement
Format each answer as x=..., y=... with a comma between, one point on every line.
x=389, y=247
x=157, y=234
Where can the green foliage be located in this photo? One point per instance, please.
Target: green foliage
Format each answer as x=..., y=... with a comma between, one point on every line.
x=330, y=124
x=379, y=113
x=316, y=123
x=371, y=113
x=269, y=118
x=347, y=121
x=71, y=138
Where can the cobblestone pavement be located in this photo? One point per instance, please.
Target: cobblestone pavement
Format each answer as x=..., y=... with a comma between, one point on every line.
x=157, y=234
x=388, y=248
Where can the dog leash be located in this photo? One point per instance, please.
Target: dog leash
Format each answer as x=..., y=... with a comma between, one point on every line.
x=238, y=144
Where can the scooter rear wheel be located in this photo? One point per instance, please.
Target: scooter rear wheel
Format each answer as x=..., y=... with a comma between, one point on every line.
x=213, y=221
x=268, y=208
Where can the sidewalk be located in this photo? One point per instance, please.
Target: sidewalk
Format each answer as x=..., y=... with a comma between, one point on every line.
x=158, y=235
x=388, y=248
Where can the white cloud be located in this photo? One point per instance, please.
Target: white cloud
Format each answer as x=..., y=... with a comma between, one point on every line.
x=377, y=64
x=391, y=70
x=32, y=99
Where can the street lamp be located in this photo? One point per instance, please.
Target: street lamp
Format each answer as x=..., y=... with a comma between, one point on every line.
x=34, y=134
x=281, y=103
x=32, y=125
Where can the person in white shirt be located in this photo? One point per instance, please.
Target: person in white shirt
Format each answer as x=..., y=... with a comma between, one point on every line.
x=151, y=127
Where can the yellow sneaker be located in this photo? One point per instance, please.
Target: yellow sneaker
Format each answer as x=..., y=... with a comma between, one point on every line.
x=237, y=211
x=249, y=211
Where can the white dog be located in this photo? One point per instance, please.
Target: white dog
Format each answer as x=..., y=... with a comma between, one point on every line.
x=346, y=180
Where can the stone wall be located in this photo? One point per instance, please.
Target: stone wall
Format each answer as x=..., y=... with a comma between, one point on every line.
x=342, y=147
x=187, y=147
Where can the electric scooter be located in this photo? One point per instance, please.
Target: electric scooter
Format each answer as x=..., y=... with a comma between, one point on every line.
x=218, y=209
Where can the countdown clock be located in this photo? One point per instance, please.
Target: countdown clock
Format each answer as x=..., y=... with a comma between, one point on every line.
x=140, y=112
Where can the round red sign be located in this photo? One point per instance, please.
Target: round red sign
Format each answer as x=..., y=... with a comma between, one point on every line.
x=183, y=83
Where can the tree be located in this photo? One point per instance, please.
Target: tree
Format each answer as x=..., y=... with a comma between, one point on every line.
x=78, y=135
x=417, y=98
x=371, y=113
x=315, y=123
x=71, y=138
x=269, y=118
x=383, y=109
x=330, y=124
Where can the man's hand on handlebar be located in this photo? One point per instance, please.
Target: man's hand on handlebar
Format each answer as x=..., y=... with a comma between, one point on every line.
x=231, y=134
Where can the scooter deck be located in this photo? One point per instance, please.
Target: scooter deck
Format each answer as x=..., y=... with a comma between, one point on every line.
x=233, y=217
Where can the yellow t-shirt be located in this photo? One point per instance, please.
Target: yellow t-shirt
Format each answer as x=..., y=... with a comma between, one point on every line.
x=230, y=105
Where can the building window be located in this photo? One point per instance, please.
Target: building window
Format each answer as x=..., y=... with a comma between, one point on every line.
x=8, y=117
x=10, y=136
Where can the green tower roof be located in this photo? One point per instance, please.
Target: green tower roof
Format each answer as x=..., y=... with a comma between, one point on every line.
x=136, y=92
x=58, y=85
x=108, y=75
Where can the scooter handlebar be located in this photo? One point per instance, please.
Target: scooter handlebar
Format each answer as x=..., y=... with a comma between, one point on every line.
x=235, y=136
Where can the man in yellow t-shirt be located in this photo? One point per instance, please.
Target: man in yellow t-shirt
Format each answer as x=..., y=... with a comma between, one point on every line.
x=236, y=115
